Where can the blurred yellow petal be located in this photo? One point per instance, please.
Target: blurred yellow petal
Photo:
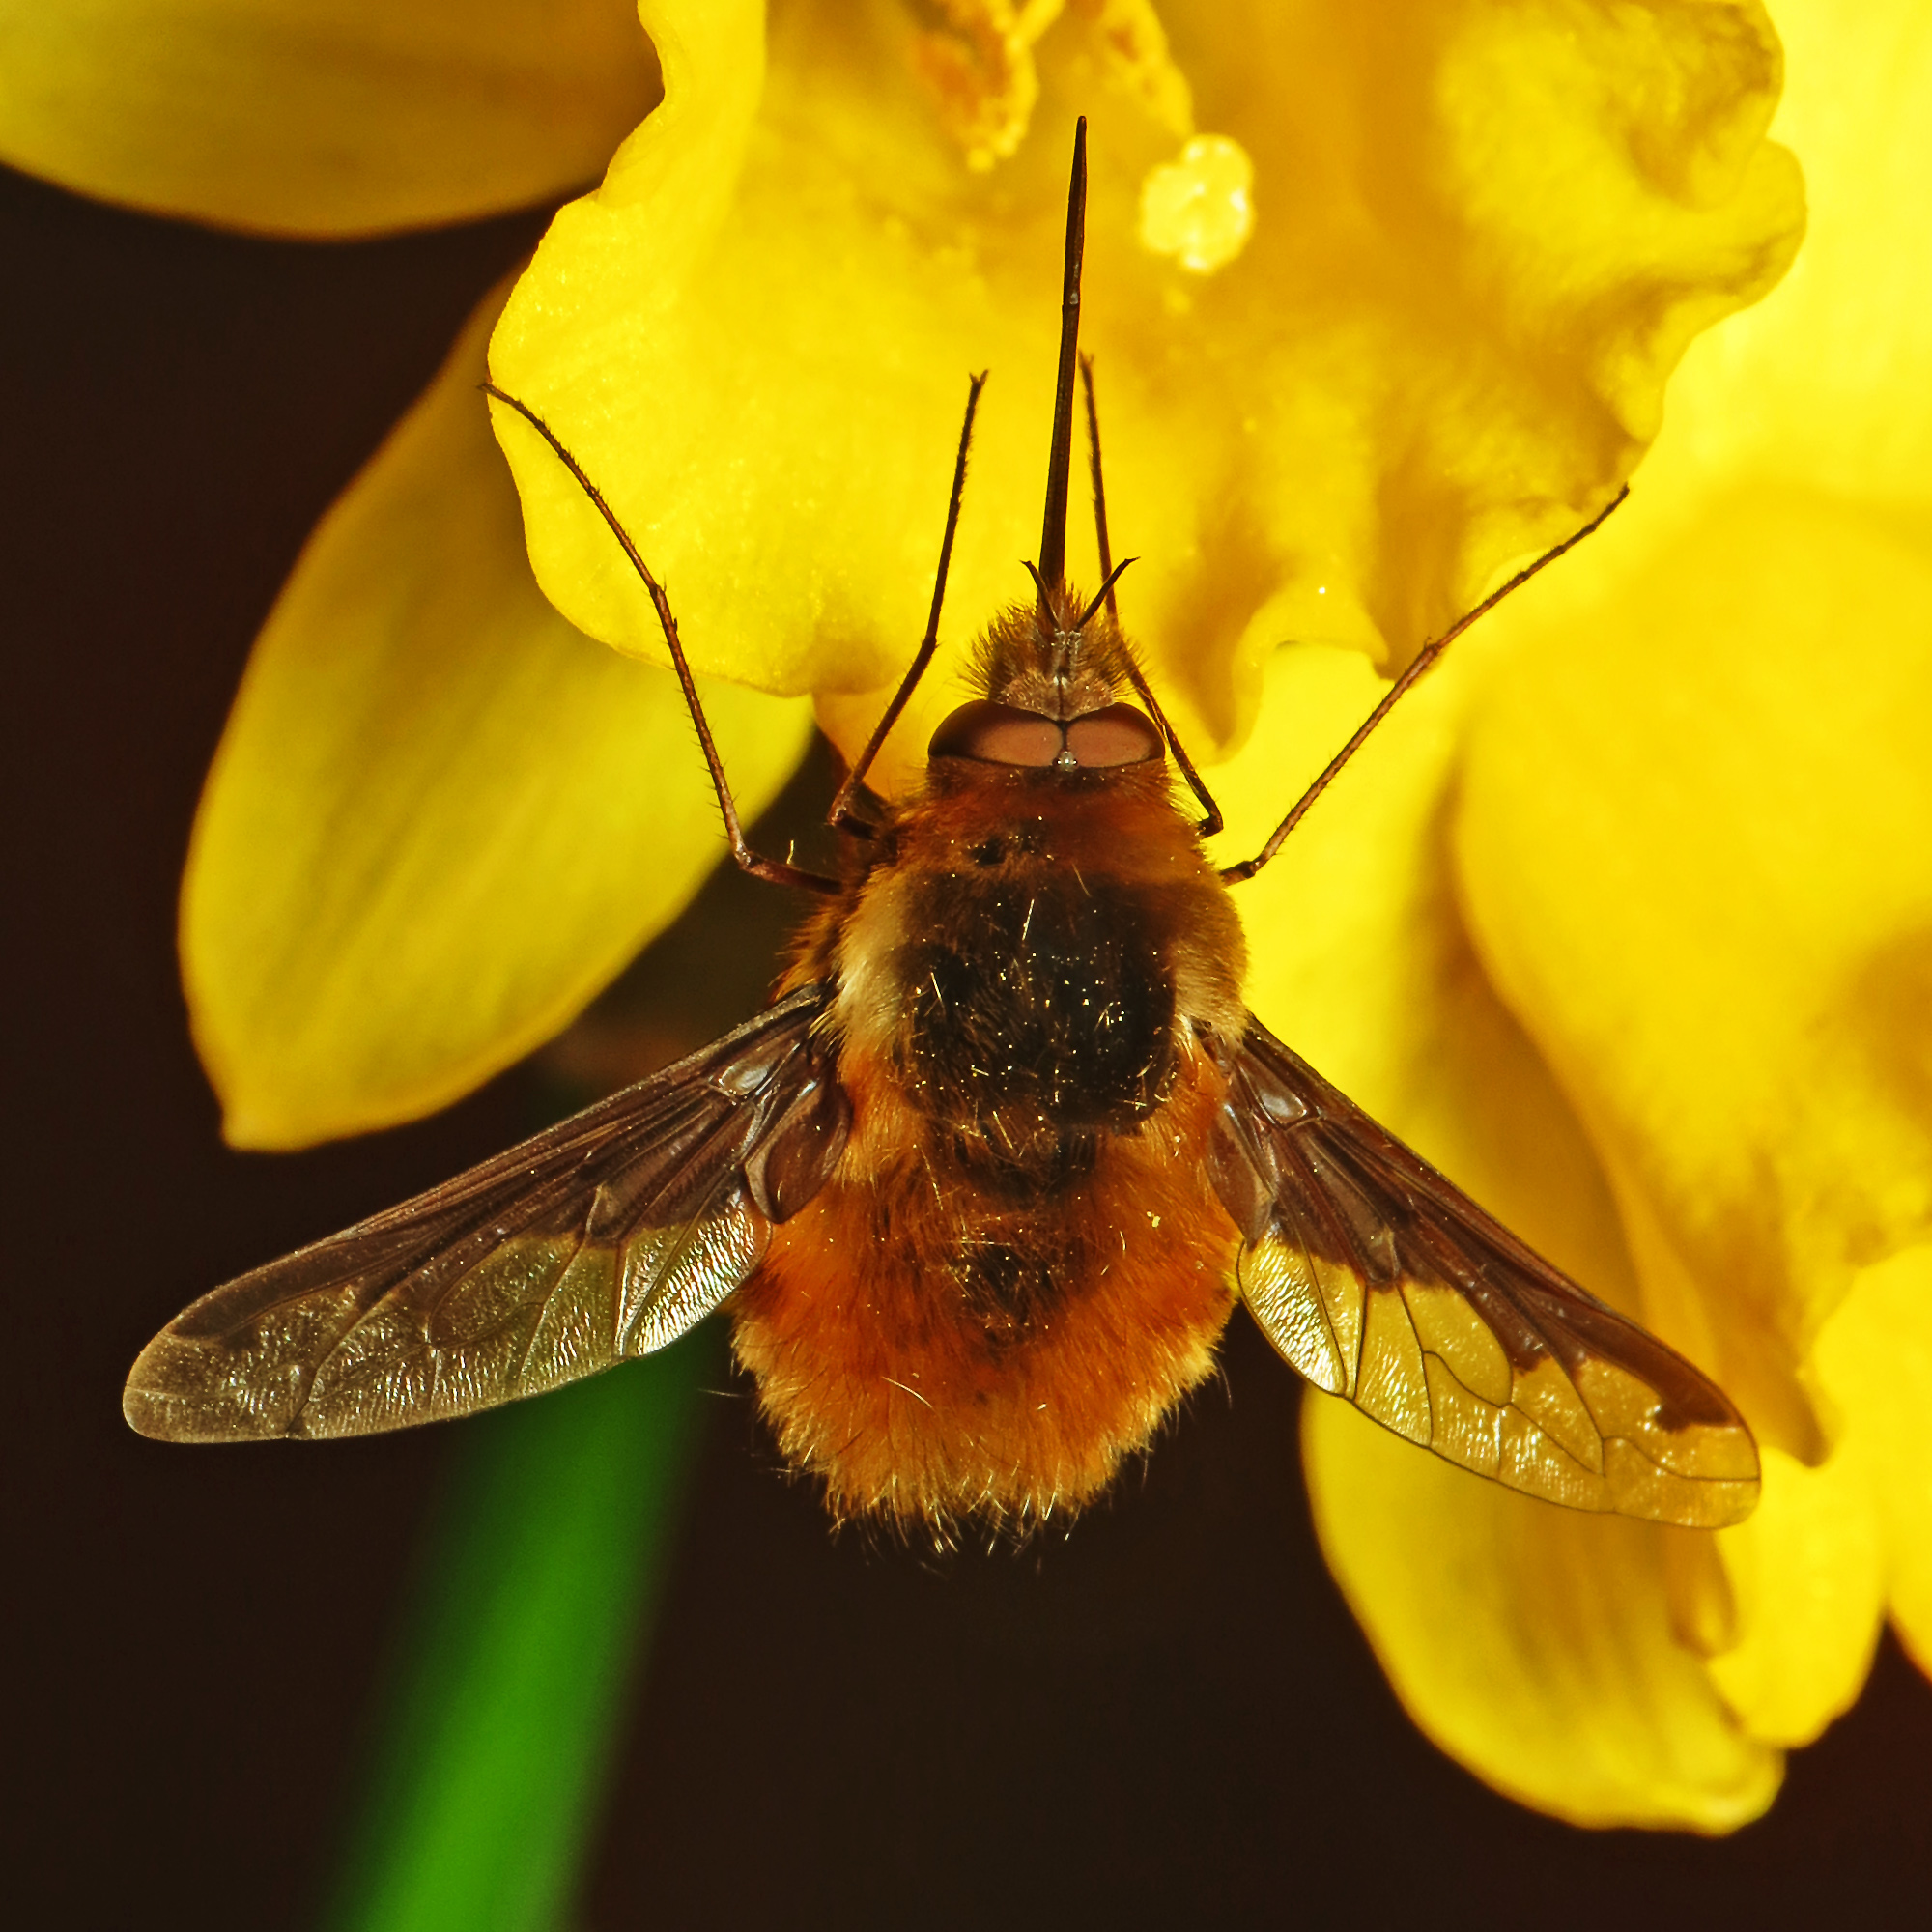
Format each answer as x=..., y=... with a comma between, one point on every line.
x=1481, y=236
x=440, y=819
x=1807, y=1571
x=1832, y=1548
x=321, y=117
x=1873, y=1364
x=1695, y=843
x=1536, y=1645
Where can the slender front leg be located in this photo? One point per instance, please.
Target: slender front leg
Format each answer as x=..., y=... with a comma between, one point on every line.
x=1211, y=822
x=1424, y=658
x=774, y=870
x=842, y=817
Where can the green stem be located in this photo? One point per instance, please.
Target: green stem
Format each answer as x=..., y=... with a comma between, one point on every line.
x=542, y=1575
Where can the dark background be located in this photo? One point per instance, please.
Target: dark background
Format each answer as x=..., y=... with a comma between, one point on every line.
x=1168, y=1719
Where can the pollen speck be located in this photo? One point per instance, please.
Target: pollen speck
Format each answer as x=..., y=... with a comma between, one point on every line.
x=1199, y=207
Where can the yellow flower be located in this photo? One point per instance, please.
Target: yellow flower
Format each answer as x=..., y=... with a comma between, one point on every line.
x=1623, y=920
x=1435, y=335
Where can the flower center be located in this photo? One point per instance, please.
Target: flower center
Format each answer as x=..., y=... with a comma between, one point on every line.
x=978, y=62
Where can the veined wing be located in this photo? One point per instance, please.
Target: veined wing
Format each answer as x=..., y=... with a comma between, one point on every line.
x=608, y=1235
x=1382, y=1282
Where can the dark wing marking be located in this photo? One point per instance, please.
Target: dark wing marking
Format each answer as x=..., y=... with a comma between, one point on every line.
x=609, y=1236
x=1382, y=1282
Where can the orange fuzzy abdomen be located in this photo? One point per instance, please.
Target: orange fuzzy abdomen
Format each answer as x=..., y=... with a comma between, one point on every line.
x=932, y=1351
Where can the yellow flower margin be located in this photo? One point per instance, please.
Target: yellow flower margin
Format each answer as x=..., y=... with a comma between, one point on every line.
x=1625, y=922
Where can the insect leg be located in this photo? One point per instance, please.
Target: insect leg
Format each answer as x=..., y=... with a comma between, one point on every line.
x=1212, y=823
x=774, y=870
x=1424, y=658
x=842, y=817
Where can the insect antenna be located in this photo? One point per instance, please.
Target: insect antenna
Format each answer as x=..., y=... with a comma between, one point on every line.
x=775, y=871
x=1423, y=658
x=1213, y=821
x=1059, y=455
x=1105, y=593
x=842, y=816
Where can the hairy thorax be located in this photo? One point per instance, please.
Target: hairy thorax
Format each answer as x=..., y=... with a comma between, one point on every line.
x=1012, y=1276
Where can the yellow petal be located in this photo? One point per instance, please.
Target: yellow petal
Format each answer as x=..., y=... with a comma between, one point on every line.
x=321, y=117
x=1830, y=1548
x=1536, y=1645
x=1807, y=1575
x=1348, y=926
x=1696, y=849
x=1558, y=1674
x=440, y=819
x=1873, y=1364
x=1477, y=248
x=1829, y=385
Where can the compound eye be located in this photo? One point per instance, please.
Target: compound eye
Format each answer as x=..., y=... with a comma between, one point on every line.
x=997, y=735
x=1123, y=734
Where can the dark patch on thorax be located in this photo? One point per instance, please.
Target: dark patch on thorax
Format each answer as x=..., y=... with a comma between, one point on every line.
x=1041, y=1001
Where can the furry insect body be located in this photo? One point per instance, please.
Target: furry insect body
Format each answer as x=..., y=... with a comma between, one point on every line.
x=1018, y=1268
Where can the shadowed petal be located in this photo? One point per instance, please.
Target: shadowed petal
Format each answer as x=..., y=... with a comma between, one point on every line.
x=440, y=819
x=321, y=117
x=1534, y=1644
x=1808, y=1575
x=1874, y=1362
x=1835, y=1546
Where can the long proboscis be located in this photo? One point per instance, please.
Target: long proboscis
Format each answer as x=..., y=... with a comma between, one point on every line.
x=1059, y=455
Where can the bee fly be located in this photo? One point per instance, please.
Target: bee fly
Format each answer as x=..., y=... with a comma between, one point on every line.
x=981, y=1187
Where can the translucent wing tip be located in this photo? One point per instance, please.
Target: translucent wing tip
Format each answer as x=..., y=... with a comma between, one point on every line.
x=176, y=1393
x=1705, y=1477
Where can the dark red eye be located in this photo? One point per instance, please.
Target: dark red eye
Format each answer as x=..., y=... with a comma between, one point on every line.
x=998, y=734
x=1122, y=734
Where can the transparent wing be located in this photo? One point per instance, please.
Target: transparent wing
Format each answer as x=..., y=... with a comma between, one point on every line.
x=1382, y=1282
x=609, y=1236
